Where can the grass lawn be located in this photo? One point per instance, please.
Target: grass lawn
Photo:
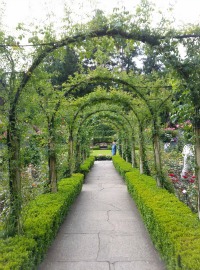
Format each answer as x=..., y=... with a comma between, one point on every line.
x=100, y=152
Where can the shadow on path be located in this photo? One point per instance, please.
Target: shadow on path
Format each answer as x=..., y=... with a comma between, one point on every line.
x=103, y=230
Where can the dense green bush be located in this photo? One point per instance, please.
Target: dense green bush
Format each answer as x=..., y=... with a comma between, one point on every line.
x=166, y=135
x=174, y=229
x=17, y=253
x=121, y=165
x=103, y=157
x=41, y=220
x=95, y=147
x=87, y=164
x=105, y=139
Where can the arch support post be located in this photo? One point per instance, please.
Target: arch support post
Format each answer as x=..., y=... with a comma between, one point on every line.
x=52, y=159
x=71, y=153
x=197, y=152
x=157, y=155
x=133, y=155
x=144, y=168
x=13, y=144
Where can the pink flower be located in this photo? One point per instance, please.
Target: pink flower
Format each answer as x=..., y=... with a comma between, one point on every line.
x=188, y=122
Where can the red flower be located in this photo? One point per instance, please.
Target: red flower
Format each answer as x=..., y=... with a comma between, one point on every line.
x=175, y=180
x=171, y=174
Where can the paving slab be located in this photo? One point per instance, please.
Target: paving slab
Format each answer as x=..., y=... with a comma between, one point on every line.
x=103, y=229
x=137, y=265
x=74, y=247
x=116, y=247
x=77, y=266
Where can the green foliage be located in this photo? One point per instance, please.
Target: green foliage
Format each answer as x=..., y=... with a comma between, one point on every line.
x=96, y=147
x=174, y=229
x=121, y=165
x=58, y=65
x=105, y=139
x=31, y=152
x=101, y=154
x=87, y=164
x=103, y=157
x=42, y=219
x=166, y=135
x=115, y=40
x=17, y=253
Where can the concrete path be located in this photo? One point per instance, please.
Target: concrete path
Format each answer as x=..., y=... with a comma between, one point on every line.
x=103, y=230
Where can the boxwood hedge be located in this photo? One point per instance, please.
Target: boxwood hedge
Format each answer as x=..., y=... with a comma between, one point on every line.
x=87, y=164
x=41, y=220
x=174, y=229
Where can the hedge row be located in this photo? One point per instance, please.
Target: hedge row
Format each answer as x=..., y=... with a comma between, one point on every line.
x=103, y=157
x=121, y=165
x=41, y=221
x=87, y=164
x=174, y=229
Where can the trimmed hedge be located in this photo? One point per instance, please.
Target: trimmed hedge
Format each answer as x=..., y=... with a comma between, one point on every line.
x=86, y=166
x=174, y=229
x=121, y=165
x=103, y=157
x=42, y=219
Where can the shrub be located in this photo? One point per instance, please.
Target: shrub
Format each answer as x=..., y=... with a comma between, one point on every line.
x=103, y=157
x=42, y=219
x=87, y=164
x=174, y=229
x=121, y=165
x=106, y=139
x=95, y=147
x=17, y=253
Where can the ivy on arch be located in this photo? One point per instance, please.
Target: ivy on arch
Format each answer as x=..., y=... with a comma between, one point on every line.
x=13, y=138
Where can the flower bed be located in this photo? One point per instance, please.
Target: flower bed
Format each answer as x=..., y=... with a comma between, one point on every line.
x=185, y=188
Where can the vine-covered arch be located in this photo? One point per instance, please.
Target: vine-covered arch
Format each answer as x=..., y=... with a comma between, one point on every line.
x=114, y=97
x=13, y=138
x=135, y=90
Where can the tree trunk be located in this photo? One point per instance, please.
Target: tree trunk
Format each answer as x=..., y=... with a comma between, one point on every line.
x=157, y=156
x=78, y=156
x=197, y=153
x=126, y=149
x=71, y=153
x=13, y=143
x=144, y=168
x=122, y=149
x=52, y=167
x=133, y=155
x=52, y=160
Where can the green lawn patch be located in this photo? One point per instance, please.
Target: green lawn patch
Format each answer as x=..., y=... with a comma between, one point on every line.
x=103, y=152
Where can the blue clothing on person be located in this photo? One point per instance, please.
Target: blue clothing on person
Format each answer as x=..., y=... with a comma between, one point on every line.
x=114, y=148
